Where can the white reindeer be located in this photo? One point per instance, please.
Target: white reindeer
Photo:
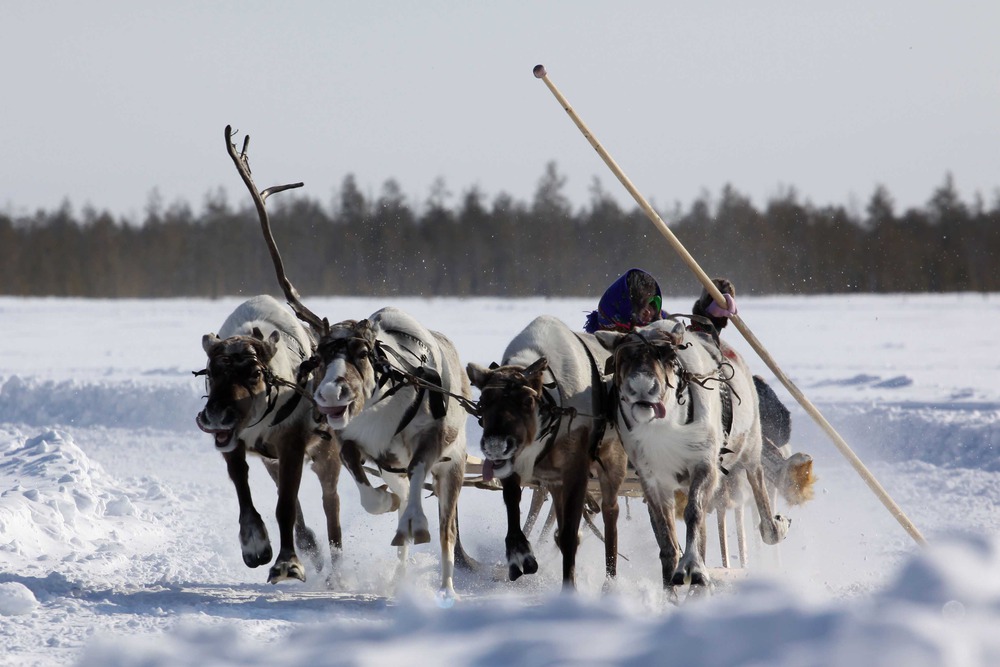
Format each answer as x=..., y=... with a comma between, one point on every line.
x=671, y=385
x=407, y=430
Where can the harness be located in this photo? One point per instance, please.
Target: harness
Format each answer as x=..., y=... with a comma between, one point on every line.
x=271, y=382
x=392, y=368
x=682, y=392
x=409, y=375
x=551, y=410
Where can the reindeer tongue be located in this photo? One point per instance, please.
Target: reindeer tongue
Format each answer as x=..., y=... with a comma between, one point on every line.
x=659, y=410
x=487, y=470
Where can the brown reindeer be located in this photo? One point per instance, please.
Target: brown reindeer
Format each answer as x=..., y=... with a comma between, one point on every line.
x=543, y=422
x=254, y=406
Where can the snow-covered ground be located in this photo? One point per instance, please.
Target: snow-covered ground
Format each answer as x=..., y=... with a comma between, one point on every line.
x=118, y=525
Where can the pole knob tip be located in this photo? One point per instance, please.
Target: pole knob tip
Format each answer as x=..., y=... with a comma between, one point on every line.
x=539, y=71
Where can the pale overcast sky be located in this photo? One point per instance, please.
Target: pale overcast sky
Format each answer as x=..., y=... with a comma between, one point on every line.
x=104, y=101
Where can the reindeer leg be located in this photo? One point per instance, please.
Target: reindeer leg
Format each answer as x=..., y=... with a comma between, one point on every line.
x=520, y=560
x=610, y=480
x=254, y=542
x=773, y=528
x=375, y=501
x=447, y=485
x=326, y=464
x=661, y=516
x=287, y=565
x=569, y=499
x=692, y=563
x=538, y=496
x=720, y=515
x=305, y=538
x=741, y=533
x=412, y=521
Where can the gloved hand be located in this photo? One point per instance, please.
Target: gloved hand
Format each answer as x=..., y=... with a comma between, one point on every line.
x=715, y=310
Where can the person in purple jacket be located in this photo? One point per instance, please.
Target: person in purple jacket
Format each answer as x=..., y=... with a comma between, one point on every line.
x=635, y=300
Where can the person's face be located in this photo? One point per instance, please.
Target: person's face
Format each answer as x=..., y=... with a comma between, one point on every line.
x=648, y=313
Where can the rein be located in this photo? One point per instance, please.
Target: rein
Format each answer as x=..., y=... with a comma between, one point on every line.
x=421, y=377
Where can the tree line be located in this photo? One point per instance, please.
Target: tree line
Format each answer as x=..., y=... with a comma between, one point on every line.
x=383, y=245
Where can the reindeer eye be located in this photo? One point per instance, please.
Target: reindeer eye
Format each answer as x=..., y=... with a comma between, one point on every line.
x=358, y=348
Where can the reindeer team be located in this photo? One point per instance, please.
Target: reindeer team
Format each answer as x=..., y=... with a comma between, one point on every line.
x=560, y=410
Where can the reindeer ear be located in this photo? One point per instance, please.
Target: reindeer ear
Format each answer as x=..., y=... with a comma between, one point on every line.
x=608, y=339
x=208, y=340
x=677, y=333
x=538, y=366
x=478, y=375
x=257, y=333
x=270, y=345
x=494, y=365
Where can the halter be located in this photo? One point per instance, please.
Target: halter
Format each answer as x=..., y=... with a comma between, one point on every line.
x=271, y=381
x=684, y=377
x=552, y=411
x=391, y=367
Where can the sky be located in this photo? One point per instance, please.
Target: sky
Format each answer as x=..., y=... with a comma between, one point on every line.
x=113, y=107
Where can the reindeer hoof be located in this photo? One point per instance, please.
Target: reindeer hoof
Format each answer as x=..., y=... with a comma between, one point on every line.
x=525, y=564
x=412, y=526
x=774, y=531
x=258, y=558
x=379, y=501
x=289, y=569
x=695, y=577
x=254, y=542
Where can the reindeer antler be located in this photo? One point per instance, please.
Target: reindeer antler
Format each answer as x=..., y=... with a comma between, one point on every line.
x=242, y=162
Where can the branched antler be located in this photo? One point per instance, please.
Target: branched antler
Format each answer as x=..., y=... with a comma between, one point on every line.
x=242, y=162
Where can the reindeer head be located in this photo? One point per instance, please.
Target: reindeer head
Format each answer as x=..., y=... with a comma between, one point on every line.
x=643, y=365
x=508, y=408
x=345, y=365
x=240, y=384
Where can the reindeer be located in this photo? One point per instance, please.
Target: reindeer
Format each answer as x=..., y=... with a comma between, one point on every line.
x=255, y=406
x=672, y=389
x=543, y=422
x=393, y=391
x=787, y=474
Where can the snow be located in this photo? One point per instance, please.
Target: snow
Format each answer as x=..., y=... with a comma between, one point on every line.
x=118, y=525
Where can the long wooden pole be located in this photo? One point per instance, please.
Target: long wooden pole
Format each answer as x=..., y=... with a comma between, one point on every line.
x=737, y=321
